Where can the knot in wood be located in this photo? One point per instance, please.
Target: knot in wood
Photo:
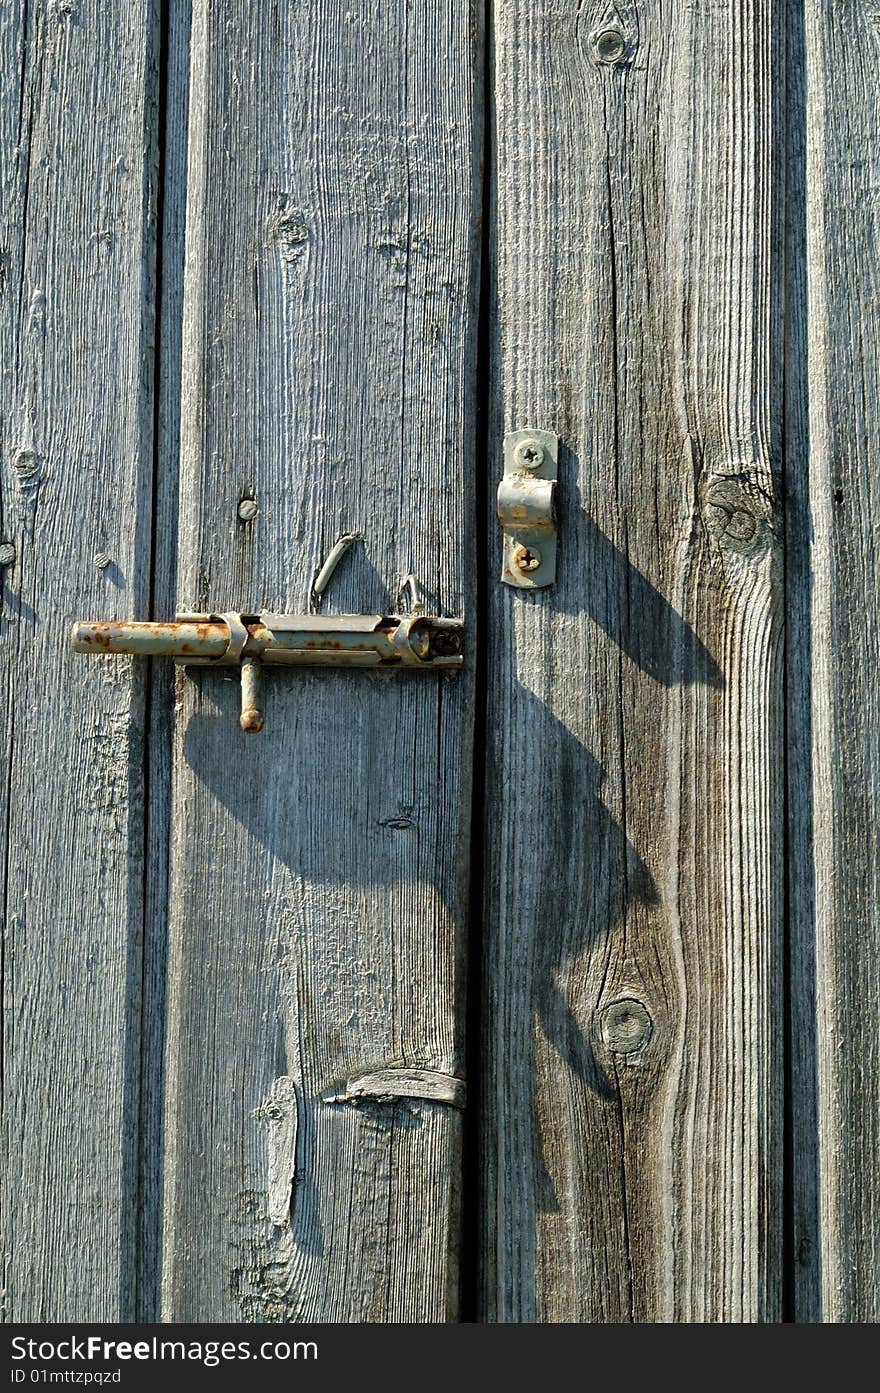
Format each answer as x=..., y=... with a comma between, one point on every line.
x=737, y=513
x=288, y=228
x=626, y=1026
x=610, y=45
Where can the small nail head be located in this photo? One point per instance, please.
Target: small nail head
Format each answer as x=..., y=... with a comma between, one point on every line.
x=626, y=1026
x=610, y=46
x=529, y=454
x=7, y=554
x=102, y=560
x=248, y=509
x=525, y=558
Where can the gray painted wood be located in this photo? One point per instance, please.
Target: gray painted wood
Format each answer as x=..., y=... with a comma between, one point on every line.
x=632, y=1097
x=835, y=872
x=76, y=312
x=318, y=874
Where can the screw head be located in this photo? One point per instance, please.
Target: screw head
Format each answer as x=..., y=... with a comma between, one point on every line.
x=529, y=454
x=7, y=554
x=248, y=509
x=525, y=558
x=610, y=46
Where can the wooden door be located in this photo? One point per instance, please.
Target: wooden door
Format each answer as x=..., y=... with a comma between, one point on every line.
x=272, y=274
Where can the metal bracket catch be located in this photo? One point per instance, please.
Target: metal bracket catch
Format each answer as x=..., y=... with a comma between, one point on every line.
x=526, y=508
x=252, y=641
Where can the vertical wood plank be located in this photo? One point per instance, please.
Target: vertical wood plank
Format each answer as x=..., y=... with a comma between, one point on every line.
x=632, y=1094
x=76, y=310
x=318, y=882
x=835, y=871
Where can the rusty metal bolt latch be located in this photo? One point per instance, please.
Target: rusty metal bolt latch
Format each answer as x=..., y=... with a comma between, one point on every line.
x=253, y=641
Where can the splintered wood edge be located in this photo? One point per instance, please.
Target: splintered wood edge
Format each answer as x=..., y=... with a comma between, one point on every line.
x=391, y=1085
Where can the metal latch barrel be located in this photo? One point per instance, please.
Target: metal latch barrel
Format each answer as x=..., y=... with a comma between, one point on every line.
x=251, y=641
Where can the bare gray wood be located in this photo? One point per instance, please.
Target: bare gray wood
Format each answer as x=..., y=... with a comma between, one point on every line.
x=834, y=427
x=319, y=870
x=77, y=145
x=632, y=1097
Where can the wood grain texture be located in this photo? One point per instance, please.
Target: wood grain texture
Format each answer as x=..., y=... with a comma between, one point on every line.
x=318, y=882
x=834, y=423
x=632, y=1098
x=76, y=306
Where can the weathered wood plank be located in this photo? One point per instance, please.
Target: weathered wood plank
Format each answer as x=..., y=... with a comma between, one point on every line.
x=76, y=310
x=834, y=425
x=318, y=882
x=632, y=1095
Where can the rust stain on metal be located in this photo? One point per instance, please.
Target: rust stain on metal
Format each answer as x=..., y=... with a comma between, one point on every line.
x=346, y=641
